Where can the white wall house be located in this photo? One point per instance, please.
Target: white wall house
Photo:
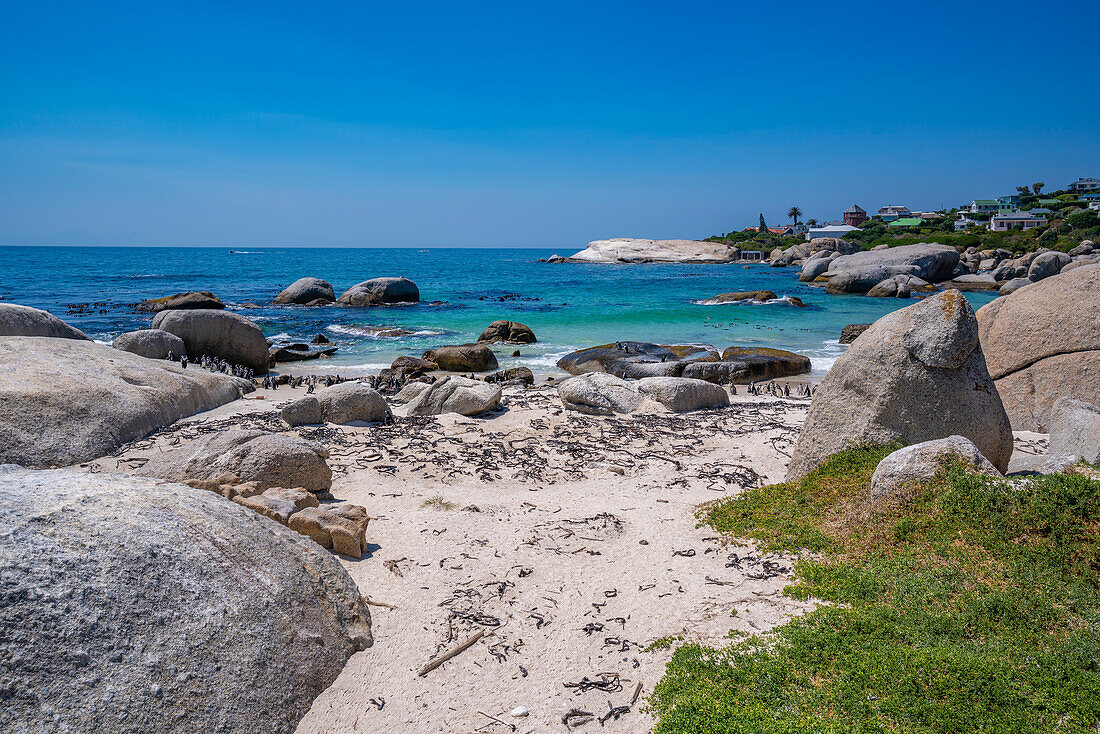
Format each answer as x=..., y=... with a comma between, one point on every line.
x=831, y=230
x=1005, y=222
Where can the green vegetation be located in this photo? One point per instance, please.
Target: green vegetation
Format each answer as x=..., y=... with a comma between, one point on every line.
x=1070, y=223
x=974, y=607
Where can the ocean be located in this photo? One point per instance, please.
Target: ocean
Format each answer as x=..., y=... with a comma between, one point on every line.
x=568, y=305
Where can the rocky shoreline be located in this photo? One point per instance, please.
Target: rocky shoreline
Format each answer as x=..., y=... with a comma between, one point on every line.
x=457, y=498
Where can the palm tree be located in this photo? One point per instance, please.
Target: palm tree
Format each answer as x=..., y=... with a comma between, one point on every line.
x=1037, y=187
x=794, y=213
x=812, y=222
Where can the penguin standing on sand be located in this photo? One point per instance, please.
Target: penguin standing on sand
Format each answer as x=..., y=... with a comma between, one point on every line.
x=183, y=361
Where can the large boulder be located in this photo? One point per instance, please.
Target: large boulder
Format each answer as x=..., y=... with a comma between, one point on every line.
x=680, y=394
x=815, y=266
x=380, y=291
x=603, y=357
x=353, y=401
x=766, y=363
x=218, y=334
x=828, y=246
x=463, y=358
x=915, y=375
x=188, y=300
x=16, y=320
x=920, y=463
x=151, y=343
x=860, y=271
x=268, y=459
x=1011, y=286
x=307, y=291
x=455, y=394
x=64, y=401
x=1043, y=342
x=891, y=288
x=133, y=605
x=850, y=332
x=1074, y=427
x=513, y=375
x=1047, y=264
x=598, y=393
x=981, y=282
x=629, y=250
x=510, y=332
x=303, y=412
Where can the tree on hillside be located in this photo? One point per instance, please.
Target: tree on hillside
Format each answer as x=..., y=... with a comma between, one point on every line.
x=812, y=222
x=763, y=225
x=794, y=213
x=1037, y=187
x=1023, y=190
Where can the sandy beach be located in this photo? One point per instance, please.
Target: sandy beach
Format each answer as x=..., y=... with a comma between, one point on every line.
x=568, y=540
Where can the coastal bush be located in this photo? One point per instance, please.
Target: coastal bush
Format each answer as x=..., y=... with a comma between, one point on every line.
x=975, y=607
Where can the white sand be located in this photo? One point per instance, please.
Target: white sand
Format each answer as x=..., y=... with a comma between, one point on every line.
x=568, y=566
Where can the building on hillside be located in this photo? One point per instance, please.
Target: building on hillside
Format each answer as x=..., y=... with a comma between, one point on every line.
x=1012, y=199
x=964, y=222
x=1084, y=185
x=1095, y=206
x=752, y=255
x=890, y=212
x=907, y=222
x=1040, y=211
x=990, y=206
x=1009, y=220
x=830, y=230
x=855, y=215
x=782, y=231
x=1089, y=197
x=1049, y=202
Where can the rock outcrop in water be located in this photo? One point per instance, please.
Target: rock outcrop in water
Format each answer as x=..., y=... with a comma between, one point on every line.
x=916, y=374
x=509, y=332
x=307, y=292
x=64, y=401
x=861, y=271
x=1042, y=342
x=133, y=605
x=219, y=334
x=16, y=320
x=188, y=300
x=629, y=250
x=380, y=291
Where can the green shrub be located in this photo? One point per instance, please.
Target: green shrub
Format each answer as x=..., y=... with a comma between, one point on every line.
x=973, y=608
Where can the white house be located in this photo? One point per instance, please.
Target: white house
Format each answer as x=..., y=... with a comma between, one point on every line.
x=964, y=221
x=830, y=230
x=1024, y=220
x=1084, y=185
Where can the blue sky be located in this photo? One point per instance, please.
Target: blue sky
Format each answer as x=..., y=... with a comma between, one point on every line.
x=523, y=124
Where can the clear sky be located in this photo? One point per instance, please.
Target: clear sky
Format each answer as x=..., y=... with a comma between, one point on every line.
x=527, y=124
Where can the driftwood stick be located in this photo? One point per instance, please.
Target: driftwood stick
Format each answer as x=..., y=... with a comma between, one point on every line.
x=447, y=656
x=637, y=692
x=374, y=603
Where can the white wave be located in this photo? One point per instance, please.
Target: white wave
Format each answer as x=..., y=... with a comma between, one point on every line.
x=744, y=302
x=364, y=366
x=550, y=359
x=281, y=335
x=822, y=360
x=382, y=332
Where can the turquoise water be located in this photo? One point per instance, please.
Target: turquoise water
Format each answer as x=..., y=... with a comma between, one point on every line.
x=567, y=305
